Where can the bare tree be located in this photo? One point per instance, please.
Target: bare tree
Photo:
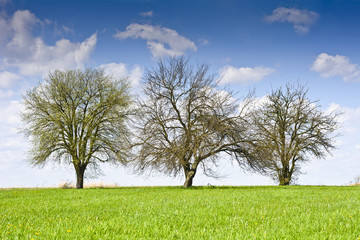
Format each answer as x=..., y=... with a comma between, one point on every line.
x=77, y=117
x=186, y=122
x=289, y=129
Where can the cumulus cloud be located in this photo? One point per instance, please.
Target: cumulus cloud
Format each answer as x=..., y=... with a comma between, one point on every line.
x=10, y=119
x=31, y=55
x=350, y=121
x=5, y=95
x=120, y=70
x=332, y=66
x=147, y=14
x=243, y=75
x=7, y=79
x=161, y=41
x=301, y=19
x=346, y=156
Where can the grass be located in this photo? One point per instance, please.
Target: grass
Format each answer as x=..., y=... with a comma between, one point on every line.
x=295, y=212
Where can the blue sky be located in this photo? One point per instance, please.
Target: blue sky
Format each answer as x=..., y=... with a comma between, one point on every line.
x=249, y=44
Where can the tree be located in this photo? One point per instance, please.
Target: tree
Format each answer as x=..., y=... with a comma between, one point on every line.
x=77, y=117
x=290, y=129
x=185, y=122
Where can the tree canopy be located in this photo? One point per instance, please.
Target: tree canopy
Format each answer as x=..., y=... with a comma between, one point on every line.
x=186, y=121
x=77, y=117
x=289, y=129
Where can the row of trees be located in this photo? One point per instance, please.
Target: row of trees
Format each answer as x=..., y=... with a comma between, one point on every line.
x=181, y=123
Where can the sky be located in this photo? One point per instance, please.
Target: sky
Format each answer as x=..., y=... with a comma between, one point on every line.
x=255, y=45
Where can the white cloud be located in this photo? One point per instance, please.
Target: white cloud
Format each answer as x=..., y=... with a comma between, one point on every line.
x=10, y=119
x=31, y=55
x=120, y=70
x=159, y=50
x=350, y=120
x=147, y=14
x=333, y=107
x=7, y=79
x=331, y=66
x=6, y=94
x=135, y=75
x=161, y=41
x=243, y=75
x=21, y=24
x=302, y=19
x=64, y=54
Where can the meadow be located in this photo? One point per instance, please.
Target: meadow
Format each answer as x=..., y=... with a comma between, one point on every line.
x=260, y=212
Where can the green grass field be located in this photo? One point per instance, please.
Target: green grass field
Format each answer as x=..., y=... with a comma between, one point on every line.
x=295, y=212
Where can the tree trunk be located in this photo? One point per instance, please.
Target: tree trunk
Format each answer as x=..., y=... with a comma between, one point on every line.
x=80, y=170
x=284, y=180
x=284, y=176
x=189, y=175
